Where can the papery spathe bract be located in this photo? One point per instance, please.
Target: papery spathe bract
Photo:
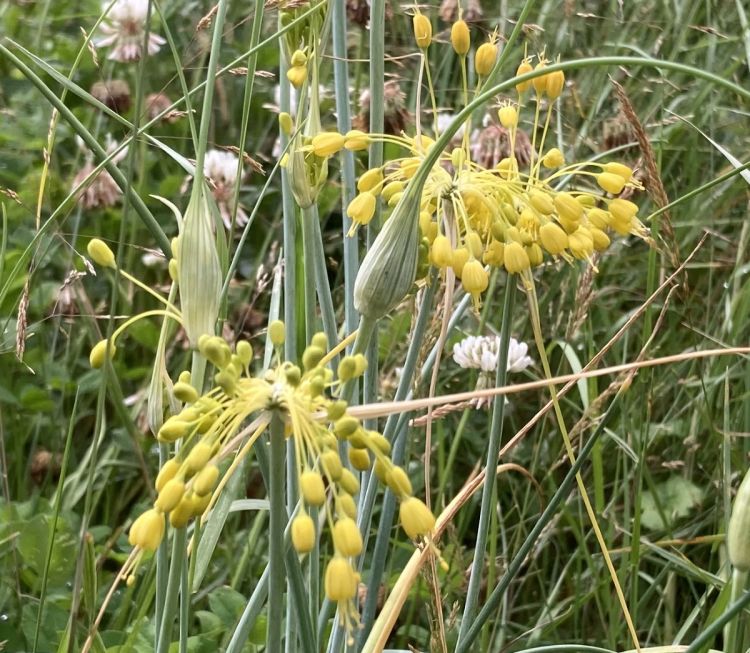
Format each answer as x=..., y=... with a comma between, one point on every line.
x=390, y=266
x=199, y=269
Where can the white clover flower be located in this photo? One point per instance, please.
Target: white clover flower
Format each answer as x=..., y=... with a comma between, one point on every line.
x=124, y=28
x=480, y=352
x=220, y=167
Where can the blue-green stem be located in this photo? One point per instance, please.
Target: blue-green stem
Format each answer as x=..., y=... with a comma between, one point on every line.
x=493, y=449
x=344, y=124
x=277, y=523
x=315, y=268
x=706, y=637
x=498, y=592
x=179, y=542
x=734, y=636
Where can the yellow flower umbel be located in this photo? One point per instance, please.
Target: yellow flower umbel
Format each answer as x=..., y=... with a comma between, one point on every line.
x=236, y=411
x=475, y=218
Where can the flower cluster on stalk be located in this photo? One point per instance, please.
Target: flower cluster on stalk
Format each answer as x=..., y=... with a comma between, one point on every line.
x=236, y=410
x=513, y=215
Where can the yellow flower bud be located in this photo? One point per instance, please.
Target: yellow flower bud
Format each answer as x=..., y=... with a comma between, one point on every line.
x=555, y=82
x=346, y=537
x=380, y=441
x=460, y=37
x=416, y=518
x=345, y=505
x=277, y=333
x=345, y=426
x=508, y=115
x=541, y=202
x=392, y=189
x=553, y=238
x=494, y=254
x=360, y=363
x=100, y=352
x=349, y=482
x=370, y=181
x=422, y=30
x=553, y=159
x=622, y=209
x=340, y=580
x=200, y=504
x=312, y=488
x=581, y=243
x=206, y=480
x=174, y=270
x=398, y=481
x=170, y=495
x=459, y=258
x=198, y=457
x=619, y=169
x=508, y=167
x=362, y=208
x=166, y=473
x=601, y=239
x=303, y=533
x=147, y=531
x=359, y=458
x=484, y=60
x=331, y=465
x=245, y=352
x=516, y=259
x=441, y=251
x=299, y=58
x=336, y=410
x=523, y=69
x=286, y=124
x=356, y=140
x=181, y=514
x=185, y=392
x=540, y=83
x=100, y=253
x=474, y=278
x=297, y=75
x=173, y=429
x=599, y=218
x=327, y=143
x=610, y=182
x=568, y=207
x=535, y=254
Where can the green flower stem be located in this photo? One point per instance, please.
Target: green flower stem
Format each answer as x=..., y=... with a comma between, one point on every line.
x=344, y=124
x=140, y=207
x=313, y=235
x=495, y=597
x=278, y=520
x=734, y=636
x=179, y=543
x=249, y=615
x=493, y=448
x=705, y=638
x=308, y=266
x=252, y=61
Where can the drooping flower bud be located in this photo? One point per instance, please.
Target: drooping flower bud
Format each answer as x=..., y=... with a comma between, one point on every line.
x=170, y=495
x=340, y=580
x=346, y=537
x=303, y=533
x=362, y=208
x=276, y=332
x=611, y=182
x=199, y=268
x=416, y=518
x=460, y=37
x=147, y=531
x=327, y=143
x=508, y=115
x=100, y=352
x=484, y=61
x=422, y=30
x=100, y=253
x=524, y=68
x=312, y=488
